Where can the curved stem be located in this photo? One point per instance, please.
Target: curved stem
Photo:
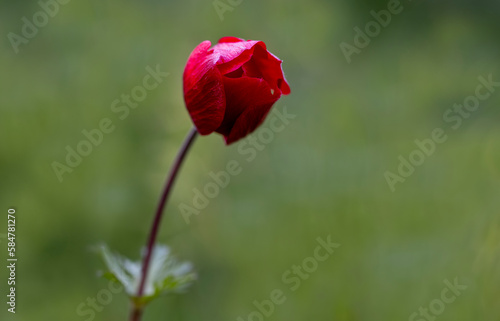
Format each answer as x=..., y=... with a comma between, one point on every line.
x=136, y=313
x=137, y=310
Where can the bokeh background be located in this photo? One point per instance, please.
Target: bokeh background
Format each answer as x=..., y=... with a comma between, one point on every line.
x=323, y=175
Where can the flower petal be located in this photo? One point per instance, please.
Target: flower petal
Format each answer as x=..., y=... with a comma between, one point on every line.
x=232, y=55
x=204, y=89
x=230, y=39
x=271, y=69
x=248, y=103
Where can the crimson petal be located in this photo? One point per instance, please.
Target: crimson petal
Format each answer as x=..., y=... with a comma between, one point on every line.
x=248, y=103
x=232, y=56
x=204, y=89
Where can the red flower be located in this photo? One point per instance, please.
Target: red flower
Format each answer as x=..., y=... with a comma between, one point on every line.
x=231, y=87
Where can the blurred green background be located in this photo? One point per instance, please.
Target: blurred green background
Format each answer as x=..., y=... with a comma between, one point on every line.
x=323, y=175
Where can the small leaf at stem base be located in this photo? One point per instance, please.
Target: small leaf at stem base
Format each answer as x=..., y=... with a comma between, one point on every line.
x=166, y=275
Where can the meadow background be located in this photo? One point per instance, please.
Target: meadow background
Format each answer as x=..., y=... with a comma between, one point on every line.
x=323, y=175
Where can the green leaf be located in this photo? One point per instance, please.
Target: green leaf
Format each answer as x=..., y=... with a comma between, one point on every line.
x=166, y=275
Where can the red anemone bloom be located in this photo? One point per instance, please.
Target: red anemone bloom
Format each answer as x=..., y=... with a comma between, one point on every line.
x=231, y=87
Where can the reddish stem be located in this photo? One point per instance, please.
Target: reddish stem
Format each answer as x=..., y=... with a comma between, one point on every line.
x=136, y=312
